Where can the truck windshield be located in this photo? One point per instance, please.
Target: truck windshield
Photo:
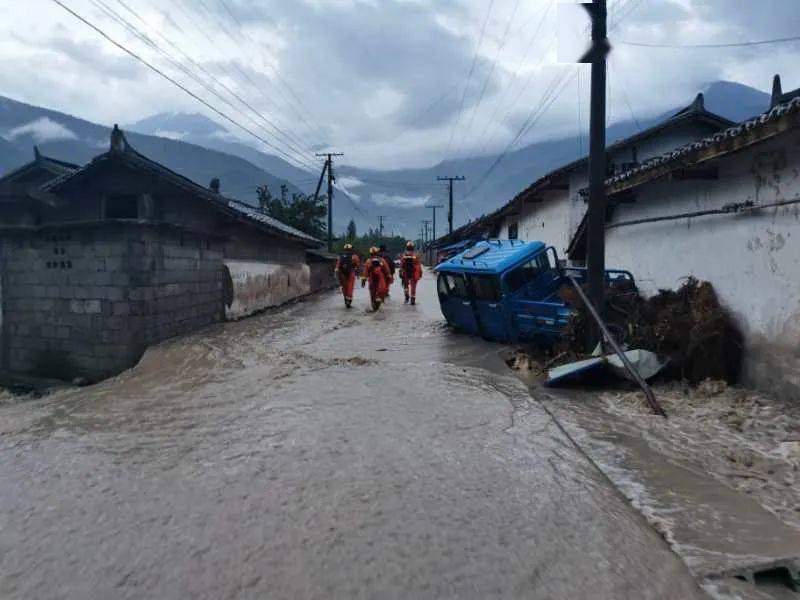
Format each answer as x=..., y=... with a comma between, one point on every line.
x=528, y=272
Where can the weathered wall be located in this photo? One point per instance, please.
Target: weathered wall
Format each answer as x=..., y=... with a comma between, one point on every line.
x=87, y=300
x=752, y=259
x=258, y=285
x=322, y=275
x=556, y=219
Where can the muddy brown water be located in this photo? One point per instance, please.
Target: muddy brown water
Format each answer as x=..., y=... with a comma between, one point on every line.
x=314, y=452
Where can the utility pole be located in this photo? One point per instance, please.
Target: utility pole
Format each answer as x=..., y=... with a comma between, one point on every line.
x=450, y=211
x=331, y=179
x=380, y=224
x=426, y=237
x=596, y=213
x=433, y=234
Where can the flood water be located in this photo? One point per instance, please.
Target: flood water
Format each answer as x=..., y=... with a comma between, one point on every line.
x=314, y=452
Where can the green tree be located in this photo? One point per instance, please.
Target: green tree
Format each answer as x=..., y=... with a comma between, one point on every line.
x=301, y=212
x=351, y=231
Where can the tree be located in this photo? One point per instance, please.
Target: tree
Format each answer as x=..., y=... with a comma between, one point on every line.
x=351, y=231
x=301, y=212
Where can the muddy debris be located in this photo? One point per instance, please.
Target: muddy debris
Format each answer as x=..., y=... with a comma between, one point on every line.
x=688, y=327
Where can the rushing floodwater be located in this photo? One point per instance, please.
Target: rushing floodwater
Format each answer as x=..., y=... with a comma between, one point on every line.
x=314, y=452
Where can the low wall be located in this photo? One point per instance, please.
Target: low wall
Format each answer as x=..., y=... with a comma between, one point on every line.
x=85, y=300
x=258, y=285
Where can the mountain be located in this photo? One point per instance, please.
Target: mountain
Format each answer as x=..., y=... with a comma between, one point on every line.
x=201, y=149
x=202, y=131
x=76, y=140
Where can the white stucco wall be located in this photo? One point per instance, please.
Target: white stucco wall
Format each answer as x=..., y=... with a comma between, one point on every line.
x=752, y=259
x=259, y=285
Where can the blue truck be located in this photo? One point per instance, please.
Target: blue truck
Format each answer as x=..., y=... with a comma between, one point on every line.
x=509, y=291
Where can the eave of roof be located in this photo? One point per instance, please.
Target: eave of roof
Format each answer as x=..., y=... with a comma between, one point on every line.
x=57, y=167
x=229, y=206
x=734, y=139
x=683, y=116
x=772, y=123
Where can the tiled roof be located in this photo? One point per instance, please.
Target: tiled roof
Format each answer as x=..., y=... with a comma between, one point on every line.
x=685, y=154
x=236, y=208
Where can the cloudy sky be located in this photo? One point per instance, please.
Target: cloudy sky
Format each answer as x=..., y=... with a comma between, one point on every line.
x=392, y=83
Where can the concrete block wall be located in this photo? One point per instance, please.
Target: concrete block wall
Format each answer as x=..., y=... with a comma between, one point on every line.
x=85, y=301
x=259, y=285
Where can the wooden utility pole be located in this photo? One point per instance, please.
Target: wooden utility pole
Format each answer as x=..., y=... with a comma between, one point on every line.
x=433, y=234
x=331, y=180
x=596, y=213
x=450, y=210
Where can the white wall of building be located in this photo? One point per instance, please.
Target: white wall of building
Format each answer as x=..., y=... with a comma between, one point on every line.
x=259, y=285
x=752, y=259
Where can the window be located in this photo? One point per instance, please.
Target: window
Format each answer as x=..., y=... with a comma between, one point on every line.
x=513, y=231
x=122, y=206
x=455, y=285
x=528, y=272
x=485, y=288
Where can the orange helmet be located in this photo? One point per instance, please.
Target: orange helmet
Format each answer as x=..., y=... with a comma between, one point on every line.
x=409, y=245
x=348, y=246
x=373, y=250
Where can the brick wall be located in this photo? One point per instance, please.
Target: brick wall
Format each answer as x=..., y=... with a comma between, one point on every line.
x=86, y=300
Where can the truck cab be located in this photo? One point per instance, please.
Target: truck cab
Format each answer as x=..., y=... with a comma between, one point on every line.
x=509, y=291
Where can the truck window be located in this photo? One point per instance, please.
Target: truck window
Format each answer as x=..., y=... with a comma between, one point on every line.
x=486, y=288
x=453, y=285
x=528, y=272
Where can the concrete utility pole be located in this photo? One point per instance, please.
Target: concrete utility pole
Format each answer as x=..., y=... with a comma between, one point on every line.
x=433, y=234
x=426, y=238
x=596, y=213
x=450, y=211
x=380, y=224
x=331, y=179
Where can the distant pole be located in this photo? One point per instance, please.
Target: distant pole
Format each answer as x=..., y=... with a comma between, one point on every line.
x=380, y=224
x=331, y=179
x=596, y=213
x=433, y=234
x=450, y=209
x=426, y=237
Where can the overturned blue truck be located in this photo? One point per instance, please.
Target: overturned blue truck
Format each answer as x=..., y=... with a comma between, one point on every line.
x=512, y=291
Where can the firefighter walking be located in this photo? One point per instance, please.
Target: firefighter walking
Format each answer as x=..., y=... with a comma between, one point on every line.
x=410, y=273
x=378, y=275
x=347, y=266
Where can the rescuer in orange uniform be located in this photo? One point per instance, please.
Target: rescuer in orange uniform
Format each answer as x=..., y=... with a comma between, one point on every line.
x=347, y=266
x=410, y=273
x=377, y=273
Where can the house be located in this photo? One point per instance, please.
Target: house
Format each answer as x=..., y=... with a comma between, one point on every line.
x=101, y=261
x=552, y=208
x=725, y=209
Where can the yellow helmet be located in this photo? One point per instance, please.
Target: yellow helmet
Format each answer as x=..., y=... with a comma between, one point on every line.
x=373, y=250
x=348, y=246
x=409, y=245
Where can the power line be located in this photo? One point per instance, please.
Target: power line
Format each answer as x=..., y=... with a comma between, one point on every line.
x=730, y=45
x=259, y=89
x=287, y=137
x=469, y=78
x=503, y=42
x=170, y=79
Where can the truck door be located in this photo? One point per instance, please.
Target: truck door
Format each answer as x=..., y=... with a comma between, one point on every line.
x=456, y=303
x=536, y=310
x=492, y=316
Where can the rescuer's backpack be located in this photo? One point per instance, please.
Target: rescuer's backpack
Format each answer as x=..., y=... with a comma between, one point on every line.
x=346, y=263
x=408, y=267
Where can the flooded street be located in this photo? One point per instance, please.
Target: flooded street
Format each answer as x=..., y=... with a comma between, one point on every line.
x=314, y=452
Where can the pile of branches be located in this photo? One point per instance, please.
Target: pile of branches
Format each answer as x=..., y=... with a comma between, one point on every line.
x=688, y=326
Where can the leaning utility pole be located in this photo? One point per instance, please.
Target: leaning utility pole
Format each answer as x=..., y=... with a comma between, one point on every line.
x=331, y=179
x=433, y=233
x=450, y=211
x=596, y=213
